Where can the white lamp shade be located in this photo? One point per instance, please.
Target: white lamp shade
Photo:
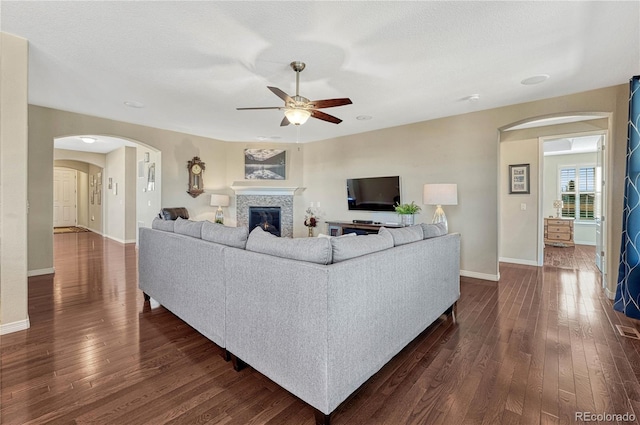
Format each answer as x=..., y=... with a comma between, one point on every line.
x=297, y=116
x=440, y=194
x=219, y=200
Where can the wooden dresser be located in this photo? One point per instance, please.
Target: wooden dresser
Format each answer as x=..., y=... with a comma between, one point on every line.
x=558, y=231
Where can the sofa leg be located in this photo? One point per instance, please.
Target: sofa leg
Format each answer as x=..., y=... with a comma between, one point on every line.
x=226, y=355
x=238, y=364
x=147, y=297
x=321, y=418
x=453, y=310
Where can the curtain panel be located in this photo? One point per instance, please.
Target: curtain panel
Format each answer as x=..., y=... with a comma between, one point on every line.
x=627, y=298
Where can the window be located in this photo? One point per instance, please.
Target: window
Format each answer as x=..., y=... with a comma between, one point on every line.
x=578, y=191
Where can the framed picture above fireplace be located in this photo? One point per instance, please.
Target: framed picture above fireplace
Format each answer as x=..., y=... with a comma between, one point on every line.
x=265, y=164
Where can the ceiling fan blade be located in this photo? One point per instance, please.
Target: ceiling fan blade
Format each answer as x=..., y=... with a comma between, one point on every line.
x=285, y=121
x=259, y=107
x=325, y=117
x=282, y=95
x=330, y=103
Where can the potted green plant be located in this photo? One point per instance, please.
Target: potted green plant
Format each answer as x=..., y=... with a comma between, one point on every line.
x=407, y=212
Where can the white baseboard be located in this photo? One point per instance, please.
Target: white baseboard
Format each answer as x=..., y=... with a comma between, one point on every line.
x=609, y=294
x=40, y=272
x=483, y=276
x=123, y=241
x=20, y=325
x=518, y=261
x=590, y=243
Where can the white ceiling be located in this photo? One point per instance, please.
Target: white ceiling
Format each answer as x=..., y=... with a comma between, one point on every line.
x=102, y=144
x=192, y=63
x=571, y=145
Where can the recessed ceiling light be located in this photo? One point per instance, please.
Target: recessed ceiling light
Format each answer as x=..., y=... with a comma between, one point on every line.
x=364, y=117
x=134, y=104
x=264, y=138
x=472, y=98
x=535, y=79
x=88, y=139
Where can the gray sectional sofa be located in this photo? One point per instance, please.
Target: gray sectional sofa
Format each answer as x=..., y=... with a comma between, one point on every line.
x=318, y=316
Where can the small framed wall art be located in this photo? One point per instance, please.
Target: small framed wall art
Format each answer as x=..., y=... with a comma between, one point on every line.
x=519, y=179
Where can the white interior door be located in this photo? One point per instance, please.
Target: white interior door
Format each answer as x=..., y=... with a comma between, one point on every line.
x=599, y=202
x=64, y=197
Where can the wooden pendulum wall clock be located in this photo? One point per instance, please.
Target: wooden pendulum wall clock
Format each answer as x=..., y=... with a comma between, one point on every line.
x=196, y=184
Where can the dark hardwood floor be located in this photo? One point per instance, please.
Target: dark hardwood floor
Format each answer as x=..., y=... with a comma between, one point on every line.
x=534, y=348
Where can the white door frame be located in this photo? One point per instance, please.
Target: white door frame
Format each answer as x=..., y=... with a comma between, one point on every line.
x=541, y=140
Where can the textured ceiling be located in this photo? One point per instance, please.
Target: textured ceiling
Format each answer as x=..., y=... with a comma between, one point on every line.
x=192, y=63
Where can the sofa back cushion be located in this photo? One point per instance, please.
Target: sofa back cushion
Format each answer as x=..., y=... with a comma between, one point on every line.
x=433, y=230
x=164, y=225
x=229, y=236
x=313, y=250
x=404, y=235
x=346, y=247
x=188, y=227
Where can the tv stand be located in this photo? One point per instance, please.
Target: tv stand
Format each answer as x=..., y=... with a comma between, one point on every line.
x=337, y=228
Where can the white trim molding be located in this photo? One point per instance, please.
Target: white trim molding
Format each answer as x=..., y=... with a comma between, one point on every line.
x=518, y=261
x=20, y=325
x=40, y=272
x=266, y=190
x=483, y=276
x=609, y=294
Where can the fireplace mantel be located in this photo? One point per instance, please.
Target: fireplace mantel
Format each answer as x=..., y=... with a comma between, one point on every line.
x=266, y=190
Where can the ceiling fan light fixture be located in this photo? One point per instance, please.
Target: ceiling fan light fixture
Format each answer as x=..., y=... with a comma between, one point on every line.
x=297, y=116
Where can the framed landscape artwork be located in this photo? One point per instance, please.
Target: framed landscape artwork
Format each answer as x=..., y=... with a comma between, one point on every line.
x=265, y=164
x=519, y=179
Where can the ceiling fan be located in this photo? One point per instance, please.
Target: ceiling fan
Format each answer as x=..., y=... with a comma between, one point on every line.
x=298, y=109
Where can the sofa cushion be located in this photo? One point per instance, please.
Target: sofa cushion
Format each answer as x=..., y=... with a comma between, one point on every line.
x=404, y=235
x=345, y=247
x=229, y=236
x=164, y=225
x=174, y=213
x=188, y=227
x=313, y=250
x=433, y=230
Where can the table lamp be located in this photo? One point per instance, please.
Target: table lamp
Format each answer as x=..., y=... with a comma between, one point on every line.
x=219, y=201
x=439, y=195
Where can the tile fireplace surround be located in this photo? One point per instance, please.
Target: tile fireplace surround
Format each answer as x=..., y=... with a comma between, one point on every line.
x=285, y=202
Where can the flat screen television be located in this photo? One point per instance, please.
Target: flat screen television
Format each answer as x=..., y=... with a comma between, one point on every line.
x=373, y=193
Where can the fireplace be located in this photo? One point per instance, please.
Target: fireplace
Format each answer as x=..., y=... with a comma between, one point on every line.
x=265, y=198
x=268, y=218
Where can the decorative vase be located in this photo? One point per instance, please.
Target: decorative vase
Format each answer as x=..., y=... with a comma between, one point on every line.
x=406, y=219
x=310, y=231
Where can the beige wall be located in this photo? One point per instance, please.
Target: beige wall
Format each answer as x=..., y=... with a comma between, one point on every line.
x=95, y=210
x=234, y=164
x=148, y=202
x=612, y=101
x=46, y=124
x=461, y=149
x=13, y=183
x=519, y=228
x=120, y=202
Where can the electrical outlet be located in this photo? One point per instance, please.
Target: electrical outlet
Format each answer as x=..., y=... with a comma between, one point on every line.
x=523, y=207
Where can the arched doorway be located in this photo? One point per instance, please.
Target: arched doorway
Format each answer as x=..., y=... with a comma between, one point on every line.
x=521, y=217
x=124, y=182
